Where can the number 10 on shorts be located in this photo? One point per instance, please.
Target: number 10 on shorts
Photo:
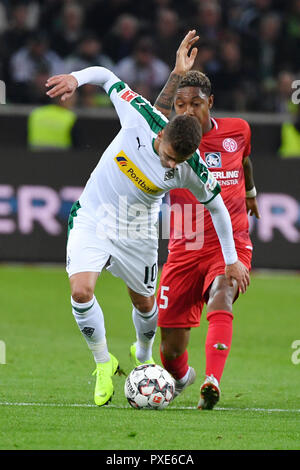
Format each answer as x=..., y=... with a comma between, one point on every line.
x=150, y=274
x=164, y=297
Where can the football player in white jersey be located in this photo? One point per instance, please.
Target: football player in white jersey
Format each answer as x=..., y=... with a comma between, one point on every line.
x=114, y=222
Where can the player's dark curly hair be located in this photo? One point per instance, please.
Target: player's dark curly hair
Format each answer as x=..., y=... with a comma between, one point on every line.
x=196, y=78
x=184, y=134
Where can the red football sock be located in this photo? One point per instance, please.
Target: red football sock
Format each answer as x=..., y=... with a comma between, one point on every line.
x=177, y=367
x=218, y=342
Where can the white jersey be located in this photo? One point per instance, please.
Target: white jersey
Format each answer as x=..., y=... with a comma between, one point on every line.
x=129, y=181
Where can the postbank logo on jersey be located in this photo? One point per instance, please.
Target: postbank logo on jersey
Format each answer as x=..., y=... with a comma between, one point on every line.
x=135, y=174
x=213, y=159
x=122, y=161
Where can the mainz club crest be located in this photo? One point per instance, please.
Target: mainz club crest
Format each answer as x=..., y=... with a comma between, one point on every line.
x=229, y=145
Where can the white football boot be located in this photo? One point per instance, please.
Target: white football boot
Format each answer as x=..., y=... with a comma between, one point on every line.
x=179, y=387
x=209, y=393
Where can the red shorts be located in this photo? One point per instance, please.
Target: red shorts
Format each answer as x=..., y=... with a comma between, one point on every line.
x=184, y=284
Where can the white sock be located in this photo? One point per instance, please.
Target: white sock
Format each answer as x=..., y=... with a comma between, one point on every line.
x=90, y=320
x=145, y=326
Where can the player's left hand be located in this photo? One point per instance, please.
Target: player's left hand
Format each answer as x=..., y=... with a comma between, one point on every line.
x=251, y=205
x=185, y=62
x=240, y=273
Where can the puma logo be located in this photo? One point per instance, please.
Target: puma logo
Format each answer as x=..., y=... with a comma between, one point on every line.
x=139, y=143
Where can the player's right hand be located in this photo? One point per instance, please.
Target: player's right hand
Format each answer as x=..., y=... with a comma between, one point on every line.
x=252, y=206
x=62, y=85
x=240, y=273
x=185, y=62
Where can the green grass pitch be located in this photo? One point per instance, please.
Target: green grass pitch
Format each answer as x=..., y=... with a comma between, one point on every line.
x=46, y=386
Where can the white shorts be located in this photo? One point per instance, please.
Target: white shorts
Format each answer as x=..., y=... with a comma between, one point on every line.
x=134, y=261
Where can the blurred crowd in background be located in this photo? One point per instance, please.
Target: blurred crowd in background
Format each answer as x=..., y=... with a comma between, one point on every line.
x=248, y=48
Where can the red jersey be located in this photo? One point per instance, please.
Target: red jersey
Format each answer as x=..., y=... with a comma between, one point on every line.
x=223, y=149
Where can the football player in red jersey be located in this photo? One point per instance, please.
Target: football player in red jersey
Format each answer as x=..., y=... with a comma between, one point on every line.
x=193, y=276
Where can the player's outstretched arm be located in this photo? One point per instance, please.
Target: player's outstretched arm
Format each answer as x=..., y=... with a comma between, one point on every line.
x=65, y=85
x=184, y=63
x=251, y=202
x=234, y=268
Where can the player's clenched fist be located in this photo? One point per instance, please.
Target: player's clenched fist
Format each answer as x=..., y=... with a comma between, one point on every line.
x=240, y=273
x=62, y=85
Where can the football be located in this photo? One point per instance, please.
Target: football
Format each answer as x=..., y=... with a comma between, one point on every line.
x=149, y=386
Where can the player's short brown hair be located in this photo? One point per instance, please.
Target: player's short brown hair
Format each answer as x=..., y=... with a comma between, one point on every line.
x=184, y=134
x=197, y=79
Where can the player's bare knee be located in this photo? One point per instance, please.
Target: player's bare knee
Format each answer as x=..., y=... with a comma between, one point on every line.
x=82, y=294
x=144, y=305
x=221, y=294
x=220, y=298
